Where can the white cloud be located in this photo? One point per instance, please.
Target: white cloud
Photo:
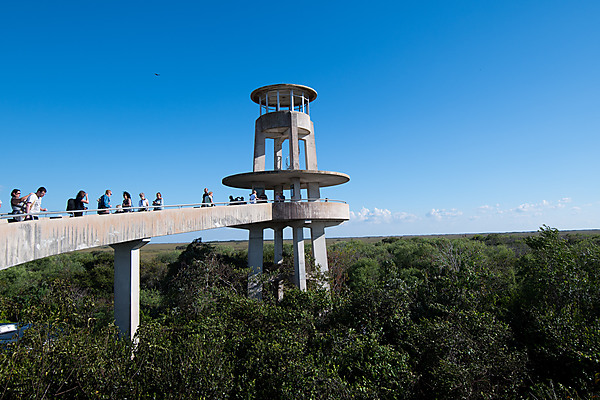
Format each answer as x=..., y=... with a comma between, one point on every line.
x=381, y=215
x=491, y=216
x=361, y=215
x=538, y=208
x=563, y=201
x=525, y=209
x=440, y=214
x=403, y=216
x=485, y=209
x=378, y=216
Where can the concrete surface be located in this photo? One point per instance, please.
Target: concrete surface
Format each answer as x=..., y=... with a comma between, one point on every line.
x=30, y=240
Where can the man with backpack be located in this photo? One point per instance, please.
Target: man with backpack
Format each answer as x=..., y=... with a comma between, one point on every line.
x=104, y=202
x=206, y=200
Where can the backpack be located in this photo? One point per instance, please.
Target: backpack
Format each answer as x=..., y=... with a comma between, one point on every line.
x=101, y=202
x=71, y=205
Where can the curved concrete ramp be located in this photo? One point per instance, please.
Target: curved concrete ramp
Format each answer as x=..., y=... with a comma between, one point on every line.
x=21, y=242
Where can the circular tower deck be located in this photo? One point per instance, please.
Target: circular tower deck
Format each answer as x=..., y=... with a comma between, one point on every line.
x=273, y=179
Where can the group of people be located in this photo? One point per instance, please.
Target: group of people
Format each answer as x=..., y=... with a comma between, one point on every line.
x=127, y=204
x=207, y=198
x=24, y=206
x=256, y=198
x=260, y=198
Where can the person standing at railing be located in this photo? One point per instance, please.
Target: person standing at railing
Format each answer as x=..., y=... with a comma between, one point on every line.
x=205, y=198
x=158, y=202
x=33, y=203
x=104, y=202
x=253, y=197
x=143, y=203
x=17, y=204
x=210, y=199
x=126, y=205
x=80, y=201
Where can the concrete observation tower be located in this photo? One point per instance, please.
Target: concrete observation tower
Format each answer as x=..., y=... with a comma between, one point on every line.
x=284, y=117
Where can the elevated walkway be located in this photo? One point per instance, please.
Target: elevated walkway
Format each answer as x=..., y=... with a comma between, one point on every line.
x=25, y=241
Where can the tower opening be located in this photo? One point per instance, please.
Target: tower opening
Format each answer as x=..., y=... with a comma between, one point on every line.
x=302, y=153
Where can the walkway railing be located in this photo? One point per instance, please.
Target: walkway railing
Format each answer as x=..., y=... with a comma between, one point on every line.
x=120, y=210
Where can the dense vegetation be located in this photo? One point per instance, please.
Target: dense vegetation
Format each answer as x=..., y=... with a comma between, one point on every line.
x=488, y=317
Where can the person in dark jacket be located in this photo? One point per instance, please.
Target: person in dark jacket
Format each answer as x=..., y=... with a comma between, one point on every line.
x=80, y=202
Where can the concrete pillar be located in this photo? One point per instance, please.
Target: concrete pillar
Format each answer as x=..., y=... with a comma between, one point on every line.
x=278, y=257
x=294, y=144
x=299, y=259
x=314, y=192
x=259, y=148
x=255, y=262
x=296, y=189
x=278, y=245
x=319, y=248
x=127, y=285
x=311, y=151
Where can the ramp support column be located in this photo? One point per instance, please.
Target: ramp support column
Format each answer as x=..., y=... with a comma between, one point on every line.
x=319, y=249
x=127, y=285
x=299, y=260
x=255, y=262
x=278, y=245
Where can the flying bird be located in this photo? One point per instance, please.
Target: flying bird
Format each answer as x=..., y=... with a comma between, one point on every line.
x=157, y=74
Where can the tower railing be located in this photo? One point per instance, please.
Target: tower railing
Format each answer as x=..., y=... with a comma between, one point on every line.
x=283, y=99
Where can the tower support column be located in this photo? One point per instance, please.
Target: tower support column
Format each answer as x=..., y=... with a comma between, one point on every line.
x=255, y=262
x=278, y=245
x=259, y=149
x=319, y=249
x=278, y=256
x=296, y=189
x=299, y=259
x=314, y=191
x=294, y=144
x=127, y=285
x=311, y=151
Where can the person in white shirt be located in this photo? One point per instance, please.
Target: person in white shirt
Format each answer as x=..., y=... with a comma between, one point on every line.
x=33, y=203
x=143, y=203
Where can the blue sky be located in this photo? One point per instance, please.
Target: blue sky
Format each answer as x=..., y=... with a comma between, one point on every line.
x=449, y=117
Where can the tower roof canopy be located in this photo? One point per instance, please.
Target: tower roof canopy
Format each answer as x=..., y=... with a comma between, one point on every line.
x=285, y=91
